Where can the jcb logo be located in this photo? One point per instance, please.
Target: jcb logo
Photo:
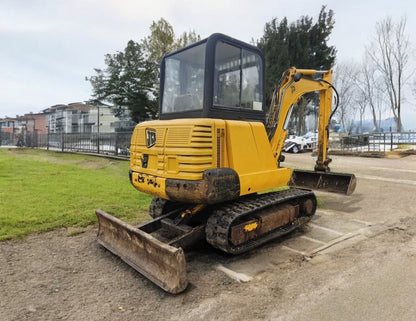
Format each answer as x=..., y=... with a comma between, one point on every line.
x=150, y=137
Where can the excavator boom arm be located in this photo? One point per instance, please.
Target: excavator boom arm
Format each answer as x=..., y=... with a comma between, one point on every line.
x=295, y=83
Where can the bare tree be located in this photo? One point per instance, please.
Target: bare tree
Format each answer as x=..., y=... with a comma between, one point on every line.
x=344, y=75
x=362, y=102
x=371, y=93
x=390, y=54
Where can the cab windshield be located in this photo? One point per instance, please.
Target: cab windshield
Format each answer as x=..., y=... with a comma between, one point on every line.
x=184, y=80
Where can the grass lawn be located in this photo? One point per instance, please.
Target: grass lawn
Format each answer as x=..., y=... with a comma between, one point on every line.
x=41, y=190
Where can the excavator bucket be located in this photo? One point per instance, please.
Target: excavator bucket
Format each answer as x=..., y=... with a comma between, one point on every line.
x=327, y=182
x=161, y=263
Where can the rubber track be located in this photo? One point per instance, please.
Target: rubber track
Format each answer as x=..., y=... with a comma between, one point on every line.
x=219, y=223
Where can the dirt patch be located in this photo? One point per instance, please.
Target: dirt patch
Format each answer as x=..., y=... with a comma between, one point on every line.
x=397, y=153
x=56, y=277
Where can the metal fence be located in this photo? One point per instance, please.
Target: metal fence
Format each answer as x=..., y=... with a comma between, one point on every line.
x=118, y=143
x=377, y=142
x=100, y=143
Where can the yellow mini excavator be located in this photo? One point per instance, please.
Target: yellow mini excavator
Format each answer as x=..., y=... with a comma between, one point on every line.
x=213, y=161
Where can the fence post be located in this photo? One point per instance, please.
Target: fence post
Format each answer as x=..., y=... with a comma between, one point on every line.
x=98, y=142
x=391, y=141
x=116, y=144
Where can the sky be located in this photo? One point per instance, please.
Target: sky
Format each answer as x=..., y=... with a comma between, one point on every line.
x=48, y=47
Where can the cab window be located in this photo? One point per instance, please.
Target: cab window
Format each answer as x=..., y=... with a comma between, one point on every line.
x=237, y=78
x=184, y=80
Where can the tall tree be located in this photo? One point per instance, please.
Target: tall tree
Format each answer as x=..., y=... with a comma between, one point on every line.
x=160, y=41
x=275, y=47
x=127, y=81
x=370, y=92
x=131, y=77
x=187, y=38
x=303, y=44
x=361, y=102
x=344, y=80
x=390, y=53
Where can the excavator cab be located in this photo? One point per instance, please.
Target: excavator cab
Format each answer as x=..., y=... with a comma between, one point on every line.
x=219, y=77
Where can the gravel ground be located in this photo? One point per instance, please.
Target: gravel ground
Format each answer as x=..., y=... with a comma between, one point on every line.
x=53, y=276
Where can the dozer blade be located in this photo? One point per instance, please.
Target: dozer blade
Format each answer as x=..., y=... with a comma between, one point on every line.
x=163, y=264
x=328, y=182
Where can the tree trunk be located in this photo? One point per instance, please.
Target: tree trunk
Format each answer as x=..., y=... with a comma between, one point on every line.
x=375, y=124
x=301, y=116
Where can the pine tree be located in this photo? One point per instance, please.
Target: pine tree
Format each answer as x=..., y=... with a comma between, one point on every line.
x=302, y=44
